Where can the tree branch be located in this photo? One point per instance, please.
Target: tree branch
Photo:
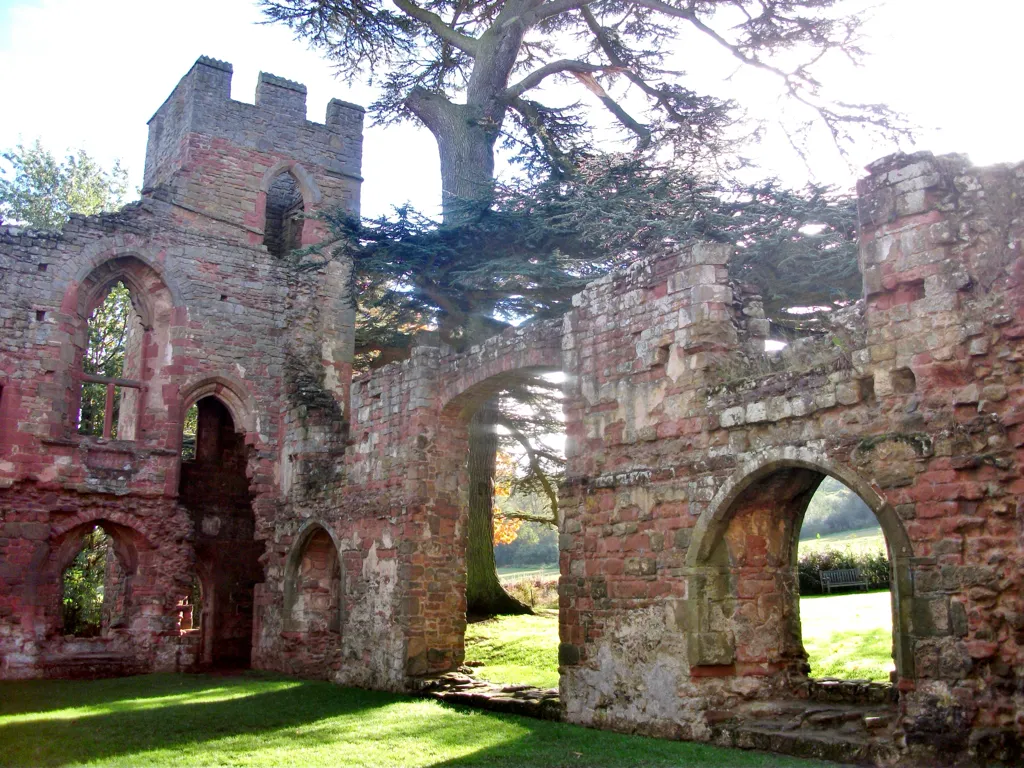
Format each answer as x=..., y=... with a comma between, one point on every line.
x=531, y=454
x=464, y=43
x=553, y=8
x=518, y=514
x=535, y=78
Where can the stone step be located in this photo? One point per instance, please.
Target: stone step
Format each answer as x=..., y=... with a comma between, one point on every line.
x=822, y=745
x=456, y=688
x=90, y=664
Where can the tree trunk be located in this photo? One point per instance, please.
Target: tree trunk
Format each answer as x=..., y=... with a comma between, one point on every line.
x=484, y=594
x=465, y=138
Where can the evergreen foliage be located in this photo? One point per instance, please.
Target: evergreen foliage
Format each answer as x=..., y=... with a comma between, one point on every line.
x=538, y=244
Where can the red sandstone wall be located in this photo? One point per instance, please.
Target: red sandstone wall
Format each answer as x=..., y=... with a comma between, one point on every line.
x=685, y=491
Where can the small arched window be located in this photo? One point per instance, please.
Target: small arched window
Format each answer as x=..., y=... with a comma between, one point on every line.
x=282, y=230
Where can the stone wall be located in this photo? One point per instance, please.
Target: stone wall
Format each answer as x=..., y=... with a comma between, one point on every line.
x=328, y=522
x=688, y=478
x=219, y=317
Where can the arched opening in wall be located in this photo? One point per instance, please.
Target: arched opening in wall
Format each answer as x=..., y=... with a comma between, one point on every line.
x=750, y=587
x=313, y=609
x=515, y=457
x=282, y=230
x=111, y=368
x=215, y=489
x=188, y=433
x=95, y=587
x=190, y=608
x=844, y=583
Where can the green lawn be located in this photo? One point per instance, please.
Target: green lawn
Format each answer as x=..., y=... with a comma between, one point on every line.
x=516, y=649
x=512, y=573
x=254, y=720
x=847, y=636
x=860, y=540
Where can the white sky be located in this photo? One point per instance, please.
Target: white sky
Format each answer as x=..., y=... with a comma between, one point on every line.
x=90, y=73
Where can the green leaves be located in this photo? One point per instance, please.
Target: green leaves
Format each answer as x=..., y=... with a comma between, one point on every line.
x=108, y=334
x=83, y=585
x=41, y=192
x=524, y=254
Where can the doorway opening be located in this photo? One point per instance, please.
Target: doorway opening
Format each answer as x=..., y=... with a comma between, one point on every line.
x=215, y=490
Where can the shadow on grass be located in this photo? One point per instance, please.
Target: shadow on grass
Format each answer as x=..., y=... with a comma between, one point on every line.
x=277, y=721
x=48, y=738
x=25, y=697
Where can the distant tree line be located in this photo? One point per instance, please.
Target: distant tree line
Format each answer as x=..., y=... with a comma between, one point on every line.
x=534, y=544
x=835, y=508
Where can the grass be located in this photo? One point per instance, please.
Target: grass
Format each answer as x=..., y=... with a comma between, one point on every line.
x=516, y=649
x=847, y=636
x=515, y=573
x=860, y=540
x=257, y=720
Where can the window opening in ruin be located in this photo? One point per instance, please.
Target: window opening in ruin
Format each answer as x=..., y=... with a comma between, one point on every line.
x=109, y=399
x=188, y=433
x=516, y=460
x=282, y=231
x=844, y=585
x=93, y=588
x=190, y=608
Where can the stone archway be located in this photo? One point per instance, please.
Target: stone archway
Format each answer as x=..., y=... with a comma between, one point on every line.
x=742, y=556
x=215, y=489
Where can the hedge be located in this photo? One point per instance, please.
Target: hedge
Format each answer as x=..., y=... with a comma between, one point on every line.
x=874, y=566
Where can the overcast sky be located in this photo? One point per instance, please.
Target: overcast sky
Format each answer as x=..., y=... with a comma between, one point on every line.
x=90, y=73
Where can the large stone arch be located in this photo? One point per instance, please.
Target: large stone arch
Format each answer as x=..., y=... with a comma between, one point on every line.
x=710, y=573
x=467, y=381
x=470, y=378
x=759, y=465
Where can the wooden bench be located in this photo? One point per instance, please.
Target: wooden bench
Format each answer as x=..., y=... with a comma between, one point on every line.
x=842, y=577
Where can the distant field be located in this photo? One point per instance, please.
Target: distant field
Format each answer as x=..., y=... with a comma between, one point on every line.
x=858, y=540
x=529, y=572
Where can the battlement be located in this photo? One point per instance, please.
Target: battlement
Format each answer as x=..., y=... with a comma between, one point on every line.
x=272, y=132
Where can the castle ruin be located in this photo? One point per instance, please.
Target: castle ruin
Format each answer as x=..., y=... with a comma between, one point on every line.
x=325, y=517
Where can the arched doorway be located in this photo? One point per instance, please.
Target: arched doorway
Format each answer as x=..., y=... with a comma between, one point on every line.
x=215, y=489
x=504, y=439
